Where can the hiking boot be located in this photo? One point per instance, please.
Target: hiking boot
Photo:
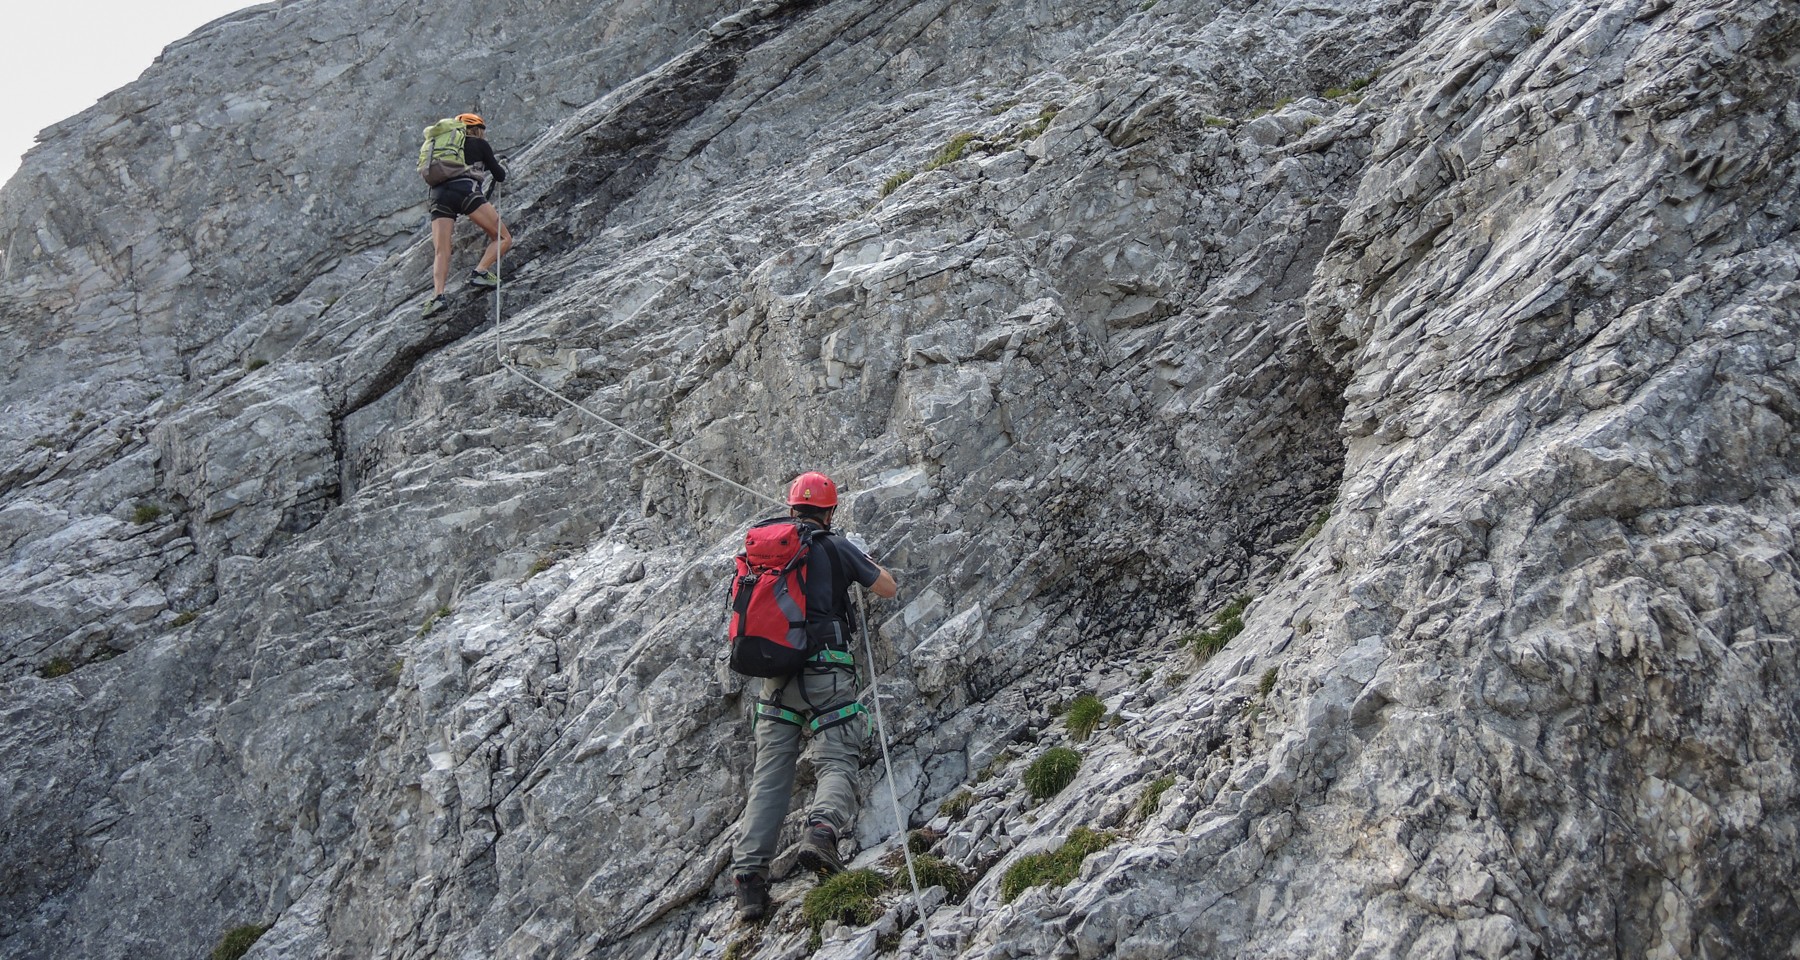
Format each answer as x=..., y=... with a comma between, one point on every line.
x=752, y=896
x=818, y=849
x=435, y=304
x=489, y=279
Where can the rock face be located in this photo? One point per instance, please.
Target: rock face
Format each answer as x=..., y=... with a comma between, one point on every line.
x=1460, y=338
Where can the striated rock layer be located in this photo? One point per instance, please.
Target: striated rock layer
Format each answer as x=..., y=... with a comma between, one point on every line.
x=1459, y=338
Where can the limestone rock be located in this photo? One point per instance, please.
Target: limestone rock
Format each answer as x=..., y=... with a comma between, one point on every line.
x=1460, y=338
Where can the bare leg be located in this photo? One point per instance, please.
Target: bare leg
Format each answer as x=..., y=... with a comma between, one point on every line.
x=440, y=249
x=499, y=238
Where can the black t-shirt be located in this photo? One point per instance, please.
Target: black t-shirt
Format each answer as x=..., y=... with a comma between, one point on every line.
x=831, y=567
x=477, y=151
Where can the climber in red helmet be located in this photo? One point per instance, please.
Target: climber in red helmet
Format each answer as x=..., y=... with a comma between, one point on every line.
x=820, y=699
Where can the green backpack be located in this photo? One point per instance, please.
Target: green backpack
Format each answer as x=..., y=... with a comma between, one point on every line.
x=441, y=155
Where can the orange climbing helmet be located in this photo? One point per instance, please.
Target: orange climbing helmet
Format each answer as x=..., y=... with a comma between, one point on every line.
x=812, y=490
x=472, y=119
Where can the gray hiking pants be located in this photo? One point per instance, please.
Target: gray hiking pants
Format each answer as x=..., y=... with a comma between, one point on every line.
x=836, y=752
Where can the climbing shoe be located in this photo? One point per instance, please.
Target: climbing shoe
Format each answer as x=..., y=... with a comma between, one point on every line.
x=435, y=304
x=752, y=896
x=818, y=849
x=490, y=279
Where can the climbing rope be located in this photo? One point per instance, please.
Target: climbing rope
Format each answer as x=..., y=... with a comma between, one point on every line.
x=912, y=872
x=510, y=367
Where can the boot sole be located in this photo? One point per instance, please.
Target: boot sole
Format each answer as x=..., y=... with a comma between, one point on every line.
x=816, y=862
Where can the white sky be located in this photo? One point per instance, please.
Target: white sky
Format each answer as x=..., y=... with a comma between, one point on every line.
x=63, y=55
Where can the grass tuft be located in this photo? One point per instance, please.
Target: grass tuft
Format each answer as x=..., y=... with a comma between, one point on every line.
x=146, y=513
x=57, y=667
x=1318, y=523
x=1050, y=773
x=1085, y=713
x=935, y=872
x=951, y=152
x=1354, y=86
x=1151, y=800
x=847, y=897
x=1228, y=623
x=994, y=766
x=1267, y=683
x=1057, y=868
x=895, y=182
x=431, y=620
x=957, y=805
x=238, y=941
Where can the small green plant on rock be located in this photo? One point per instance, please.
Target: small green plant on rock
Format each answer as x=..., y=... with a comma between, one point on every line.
x=1085, y=713
x=1275, y=107
x=936, y=872
x=895, y=182
x=1354, y=86
x=57, y=667
x=1267, y=683
x=1050, y=773
x=951, y=152
x=956, y=806
x=1036, y=128
x=847, y=897
x=256, y=364
x=431, y=620
x=539, y=565
x=1057, y=868
x=1227, y=623
x=1318, y=523
x=184, y=618
x=146, y=513
x=1151, y=799
x=994, y=766
x=740, y=948
x=238, y=941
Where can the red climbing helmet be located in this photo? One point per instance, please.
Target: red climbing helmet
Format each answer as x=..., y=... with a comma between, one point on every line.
x=812, y=490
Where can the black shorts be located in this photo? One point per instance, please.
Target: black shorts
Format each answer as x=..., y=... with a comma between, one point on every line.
x=453, y=197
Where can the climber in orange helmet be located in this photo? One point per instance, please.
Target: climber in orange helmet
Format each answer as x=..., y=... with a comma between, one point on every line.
x=464, y=142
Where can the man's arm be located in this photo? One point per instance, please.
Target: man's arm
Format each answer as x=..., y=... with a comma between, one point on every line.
x=869, y=573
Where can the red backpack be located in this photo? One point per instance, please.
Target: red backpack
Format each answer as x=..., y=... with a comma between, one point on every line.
x=768, y=600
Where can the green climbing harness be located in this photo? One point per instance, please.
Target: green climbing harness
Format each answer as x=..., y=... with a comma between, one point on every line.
x=821, y=719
